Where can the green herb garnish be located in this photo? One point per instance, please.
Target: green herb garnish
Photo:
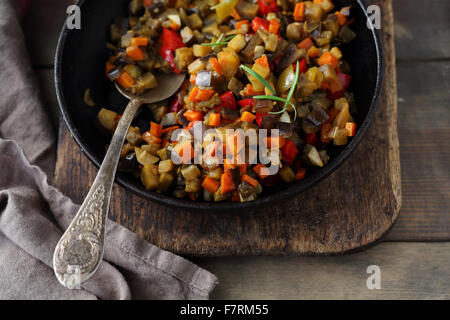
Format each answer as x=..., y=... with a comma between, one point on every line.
x=266, y=97
x=286, y=101
x=259, y=78
x=291, y=93
x=219, y=41
x=214, y=44
x=230, y=37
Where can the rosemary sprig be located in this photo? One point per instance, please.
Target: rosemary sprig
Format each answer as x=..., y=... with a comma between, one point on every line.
x=291, y=93
x=215, y=44
x=284, y=108
x=259, y=78
x=267, y=97
x=230, y=37
x=219, y=41
x=286, y=101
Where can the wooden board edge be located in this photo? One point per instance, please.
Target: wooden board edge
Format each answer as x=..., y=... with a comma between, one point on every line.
x=394, y=152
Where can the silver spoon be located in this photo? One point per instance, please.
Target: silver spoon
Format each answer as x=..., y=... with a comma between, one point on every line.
x=80, y=250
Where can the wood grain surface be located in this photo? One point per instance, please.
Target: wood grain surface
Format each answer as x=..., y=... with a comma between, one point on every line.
x=351, y=209
x=424, y=130
x=422, y=29
x=408, y=271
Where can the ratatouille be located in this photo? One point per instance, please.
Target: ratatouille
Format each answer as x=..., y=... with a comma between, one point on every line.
x=266, y=64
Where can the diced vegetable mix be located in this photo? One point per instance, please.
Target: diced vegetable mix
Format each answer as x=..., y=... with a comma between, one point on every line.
x=266, y=64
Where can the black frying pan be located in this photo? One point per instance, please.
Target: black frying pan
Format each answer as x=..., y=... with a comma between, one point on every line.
x=80, y=64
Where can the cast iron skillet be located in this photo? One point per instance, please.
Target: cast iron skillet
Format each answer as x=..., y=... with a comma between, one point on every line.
x=80, y=64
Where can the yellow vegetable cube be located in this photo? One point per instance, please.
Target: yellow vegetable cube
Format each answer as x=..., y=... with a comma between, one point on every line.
x=195, y=22
x=237, y=43
x=196, y=66
x=165, y=166
x=183, y=57
x=287, y=174
x=229, y=62
x=191, y=172
x=144, y=157
x=107, y=119
x=165, y=181
x=201, y=51
x=150, y=176
x=336, y=52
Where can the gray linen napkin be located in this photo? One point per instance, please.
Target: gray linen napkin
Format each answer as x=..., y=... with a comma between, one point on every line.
x=33, y=213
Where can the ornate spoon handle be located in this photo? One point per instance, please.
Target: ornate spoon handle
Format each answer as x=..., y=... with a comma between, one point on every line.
x=80, y=250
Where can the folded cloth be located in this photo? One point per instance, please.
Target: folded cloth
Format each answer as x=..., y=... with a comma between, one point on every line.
x=31, y=211
x=22, y=116
x=33, y=214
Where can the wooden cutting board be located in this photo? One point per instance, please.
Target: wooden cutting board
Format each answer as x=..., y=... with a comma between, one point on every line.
x=349, y=210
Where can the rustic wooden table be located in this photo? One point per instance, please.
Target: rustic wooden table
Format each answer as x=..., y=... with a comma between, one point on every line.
x=414, y=255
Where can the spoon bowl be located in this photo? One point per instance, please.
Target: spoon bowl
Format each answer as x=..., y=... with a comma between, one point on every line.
x=168, y=84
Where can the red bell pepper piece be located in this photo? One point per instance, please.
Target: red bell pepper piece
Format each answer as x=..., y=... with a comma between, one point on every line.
x=259, y=118
x=345, y=80
x=311, y=138
x=147, y=3
x=335, y=96
x=171, y=39
x=332, y=115
x=275, y=62
x=271, y=180
x=246, y=102
x=266, y=7
x=301, y=65
x=289, y=152
x=228, y=100
x=298, y=164
x=175, y=105
x=260, y=23
x=190, y=125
